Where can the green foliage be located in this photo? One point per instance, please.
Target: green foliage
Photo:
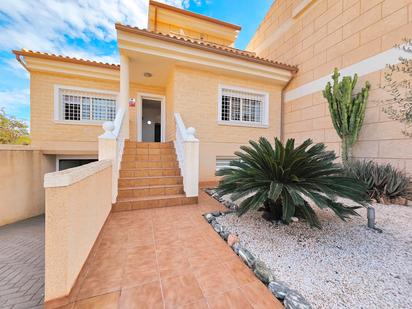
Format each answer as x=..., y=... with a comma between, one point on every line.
x=398, y=83
x=12, y=131
x=383, y=181
x=347, y=110
x=285, y=177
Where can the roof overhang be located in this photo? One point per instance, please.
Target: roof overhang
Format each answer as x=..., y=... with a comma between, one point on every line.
x=132, y=41
x=160, y=12
x=55, y=64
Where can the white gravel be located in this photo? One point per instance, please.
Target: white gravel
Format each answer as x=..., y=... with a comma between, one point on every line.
x=344, y=265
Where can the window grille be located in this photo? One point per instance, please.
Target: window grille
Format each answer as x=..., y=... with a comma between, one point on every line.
x=87, y=106
x=242, y=106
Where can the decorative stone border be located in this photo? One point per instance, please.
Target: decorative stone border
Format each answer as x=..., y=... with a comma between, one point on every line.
x=290, y=298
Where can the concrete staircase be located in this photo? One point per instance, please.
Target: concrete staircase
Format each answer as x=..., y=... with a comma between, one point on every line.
x=150, y=177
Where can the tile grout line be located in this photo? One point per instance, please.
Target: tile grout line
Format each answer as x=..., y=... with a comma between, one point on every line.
x=157, y=265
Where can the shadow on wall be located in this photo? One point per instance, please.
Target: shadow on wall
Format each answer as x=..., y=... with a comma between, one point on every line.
x=22, y=169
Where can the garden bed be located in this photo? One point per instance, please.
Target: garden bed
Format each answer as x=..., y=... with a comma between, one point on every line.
x=344, y=265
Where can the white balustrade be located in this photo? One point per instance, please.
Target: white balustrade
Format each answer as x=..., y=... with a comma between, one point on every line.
x=187, y=149
x=111, y=145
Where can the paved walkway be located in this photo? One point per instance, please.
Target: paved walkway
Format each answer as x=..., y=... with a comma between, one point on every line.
x=166, y=258
x=22, y=264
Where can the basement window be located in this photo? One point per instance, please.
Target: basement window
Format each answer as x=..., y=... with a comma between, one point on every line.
x=222, y=162
x=238, y=106
x=85, y=106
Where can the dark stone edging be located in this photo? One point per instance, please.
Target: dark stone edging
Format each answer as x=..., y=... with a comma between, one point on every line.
x=289, y=297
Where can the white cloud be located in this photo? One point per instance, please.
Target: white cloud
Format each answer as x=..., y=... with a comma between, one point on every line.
x=15, y=102
x=68, y=27
x=50, y=25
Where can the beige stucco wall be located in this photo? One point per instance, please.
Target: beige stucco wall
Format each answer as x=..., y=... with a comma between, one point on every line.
x=48, y=134
x=195, y=97
x=61, y=137
x=21, y=189
x=75, y=214
x=338, y=33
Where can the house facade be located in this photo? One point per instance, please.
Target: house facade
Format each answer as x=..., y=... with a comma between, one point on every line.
x=179, y=105
x=183, y=63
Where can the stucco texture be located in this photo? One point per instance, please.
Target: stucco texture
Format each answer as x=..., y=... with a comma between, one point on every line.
x=75, y=215
x=196, y=98
x=21, y=190
x=338, y=33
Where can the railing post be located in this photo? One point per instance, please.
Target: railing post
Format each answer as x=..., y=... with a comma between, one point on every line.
x=191, y=166
x=124, y=91
x=108, y=151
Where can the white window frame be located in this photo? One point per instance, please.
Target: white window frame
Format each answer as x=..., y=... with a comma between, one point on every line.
x=58, y=105
x=265, y=115
x=70, y=157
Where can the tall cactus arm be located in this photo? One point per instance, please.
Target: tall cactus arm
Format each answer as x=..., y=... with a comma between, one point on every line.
x=333, y=108
x=362, y=99
x=347, y=111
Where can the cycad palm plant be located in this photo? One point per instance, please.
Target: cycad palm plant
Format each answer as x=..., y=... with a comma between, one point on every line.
x=284, y=178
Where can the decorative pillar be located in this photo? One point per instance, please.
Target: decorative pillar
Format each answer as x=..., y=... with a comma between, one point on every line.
x=124, y=92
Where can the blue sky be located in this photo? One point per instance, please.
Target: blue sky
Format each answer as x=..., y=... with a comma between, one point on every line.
x=85, y=29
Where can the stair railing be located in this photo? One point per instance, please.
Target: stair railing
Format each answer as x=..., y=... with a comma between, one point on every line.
x=187, y=150
x=111, y=145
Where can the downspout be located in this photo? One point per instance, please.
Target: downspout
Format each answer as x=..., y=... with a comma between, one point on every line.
x=282, y=107
x=18, y=58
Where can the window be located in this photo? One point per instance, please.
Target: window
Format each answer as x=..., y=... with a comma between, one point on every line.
x=75, y=105
x=222, y=162
x=243, y=107
x=64, y=164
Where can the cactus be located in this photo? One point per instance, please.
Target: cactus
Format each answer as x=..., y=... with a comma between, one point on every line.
x=347, y=110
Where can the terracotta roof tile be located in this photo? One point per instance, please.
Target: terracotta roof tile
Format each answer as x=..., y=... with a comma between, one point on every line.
x=28, y=52
x=213, y=47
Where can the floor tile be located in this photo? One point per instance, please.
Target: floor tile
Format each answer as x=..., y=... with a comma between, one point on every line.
x=233, y=299
x=135, y=278
x=147, y=296
x=216, y=280
x=240, y=272
x=260, y=297
x=106, y=301
x=181, y=290
x=167, y=258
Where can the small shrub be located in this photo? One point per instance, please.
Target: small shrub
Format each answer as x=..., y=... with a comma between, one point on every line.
x=383, y=181
x=284, y=177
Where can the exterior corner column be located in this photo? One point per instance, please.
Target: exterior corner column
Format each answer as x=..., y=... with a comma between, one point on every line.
x=125, y=91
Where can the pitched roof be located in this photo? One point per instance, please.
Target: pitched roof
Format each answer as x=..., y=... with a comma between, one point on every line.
x=196, y=15
x=37, y=54
x=206, y=45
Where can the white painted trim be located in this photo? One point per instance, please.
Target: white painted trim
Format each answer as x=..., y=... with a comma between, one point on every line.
x=57, y=107
x=153, y=46
x=76, y=174
x=73, y=157
x=265, y=120
x=364, y=67
x=156, y=97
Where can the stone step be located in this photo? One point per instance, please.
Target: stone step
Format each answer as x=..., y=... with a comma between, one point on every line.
x=125, y=204
x=147, y=172
x=149, y=151
x=157, y=157
x=132, y=192
x=125, y=182
x=148, y=164
x=133, y=144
